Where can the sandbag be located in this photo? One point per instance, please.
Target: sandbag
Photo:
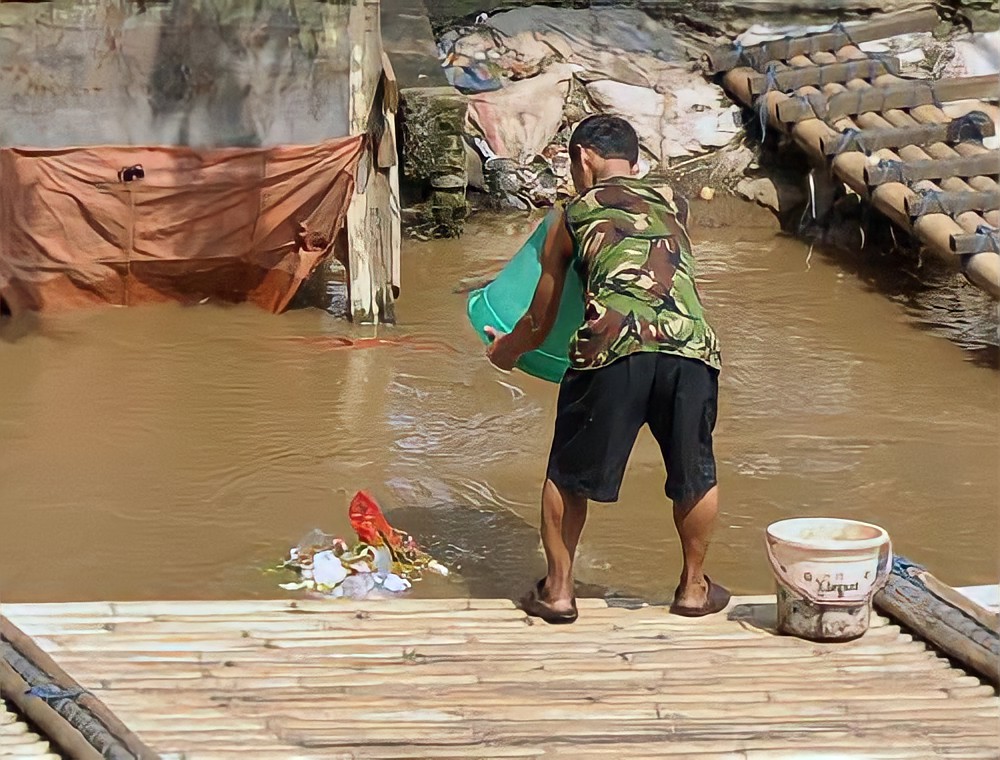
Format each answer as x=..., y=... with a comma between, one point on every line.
x=505, y=300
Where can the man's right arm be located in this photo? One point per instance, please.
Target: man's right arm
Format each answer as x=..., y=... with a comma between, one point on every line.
x=533, y=328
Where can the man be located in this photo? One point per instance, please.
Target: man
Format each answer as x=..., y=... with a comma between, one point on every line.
x=644, y=355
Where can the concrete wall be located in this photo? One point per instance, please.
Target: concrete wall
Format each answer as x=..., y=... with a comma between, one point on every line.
x=205, y=73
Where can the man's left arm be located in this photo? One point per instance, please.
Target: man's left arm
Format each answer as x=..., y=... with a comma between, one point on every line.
x=533, y=328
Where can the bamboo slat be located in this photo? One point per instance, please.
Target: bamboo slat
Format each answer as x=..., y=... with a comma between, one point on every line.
x=509, y=635
x=430, y=689
x=335, y=624
x=258, y=607
x=936, y=676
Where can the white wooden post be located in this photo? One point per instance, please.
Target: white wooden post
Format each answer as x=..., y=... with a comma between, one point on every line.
x=389, y=160
x=372, y=225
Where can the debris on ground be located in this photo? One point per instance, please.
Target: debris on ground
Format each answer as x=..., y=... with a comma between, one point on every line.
x=532, y=74
x=383, y=559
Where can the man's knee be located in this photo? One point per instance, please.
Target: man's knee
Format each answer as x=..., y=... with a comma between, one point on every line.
x=684, y=503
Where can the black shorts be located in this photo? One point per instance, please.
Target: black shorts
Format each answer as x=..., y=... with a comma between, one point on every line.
x=600, y=412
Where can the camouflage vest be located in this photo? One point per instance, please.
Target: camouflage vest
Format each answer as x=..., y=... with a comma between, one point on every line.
x=638, y=270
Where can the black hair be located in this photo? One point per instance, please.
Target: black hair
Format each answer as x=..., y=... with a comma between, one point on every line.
x=608, y=136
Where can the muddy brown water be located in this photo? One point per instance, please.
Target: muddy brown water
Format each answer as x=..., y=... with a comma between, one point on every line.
x=168, y=452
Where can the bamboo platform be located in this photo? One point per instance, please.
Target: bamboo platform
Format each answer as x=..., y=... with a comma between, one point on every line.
x=912, y=148
x=458, y=678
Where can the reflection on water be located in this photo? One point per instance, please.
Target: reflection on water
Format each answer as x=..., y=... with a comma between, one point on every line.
x=166, y=452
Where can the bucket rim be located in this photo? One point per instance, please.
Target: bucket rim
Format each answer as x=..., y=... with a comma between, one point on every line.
x=864, y=543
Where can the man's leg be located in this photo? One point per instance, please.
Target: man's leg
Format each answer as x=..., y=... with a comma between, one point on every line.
x=563, y=517
x=695, y=523
x=682, y=419
x=598, y=416
x=574, y=518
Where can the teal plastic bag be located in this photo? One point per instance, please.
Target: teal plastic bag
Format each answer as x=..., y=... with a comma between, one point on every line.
x=505, y=300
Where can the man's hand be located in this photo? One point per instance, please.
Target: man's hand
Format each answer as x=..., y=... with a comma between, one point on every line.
x=501, y=351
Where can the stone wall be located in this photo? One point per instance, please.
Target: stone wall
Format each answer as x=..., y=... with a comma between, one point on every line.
x=435, y=156
x=432, y=116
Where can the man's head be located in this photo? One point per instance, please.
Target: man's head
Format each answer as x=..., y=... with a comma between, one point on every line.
x=601, y=147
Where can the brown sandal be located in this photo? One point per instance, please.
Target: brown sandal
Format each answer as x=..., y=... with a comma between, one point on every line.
x=534, y=605
x=717, y=600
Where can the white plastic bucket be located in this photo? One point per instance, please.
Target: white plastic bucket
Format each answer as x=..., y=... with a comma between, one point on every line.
x=827, y=571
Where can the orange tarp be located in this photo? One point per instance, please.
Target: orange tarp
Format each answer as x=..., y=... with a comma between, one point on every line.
x=231, y=224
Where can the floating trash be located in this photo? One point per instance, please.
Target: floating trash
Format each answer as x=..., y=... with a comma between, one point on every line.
x=384, y=558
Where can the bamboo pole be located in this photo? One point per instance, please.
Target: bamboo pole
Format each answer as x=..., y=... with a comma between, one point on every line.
x=942, y=168
x=820, y=74
x=764, y=690
x=52, y=724
x=870, y=140
x=319, y=664
x=984, y=617
x=976, y=242
x=715, y=727
x=986, y=184
x=909, y=599
x=728, y=56
x=954, y=202
x=581, y=711
x=380, y=682
x=236, y=640
x=113, y=734
x=534, y=658
x=258, y=606
x=904, y=94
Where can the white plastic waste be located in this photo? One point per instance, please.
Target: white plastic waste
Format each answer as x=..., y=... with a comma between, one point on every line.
x=328, y=570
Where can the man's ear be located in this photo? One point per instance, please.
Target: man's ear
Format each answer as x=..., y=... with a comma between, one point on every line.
x=592, y=159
